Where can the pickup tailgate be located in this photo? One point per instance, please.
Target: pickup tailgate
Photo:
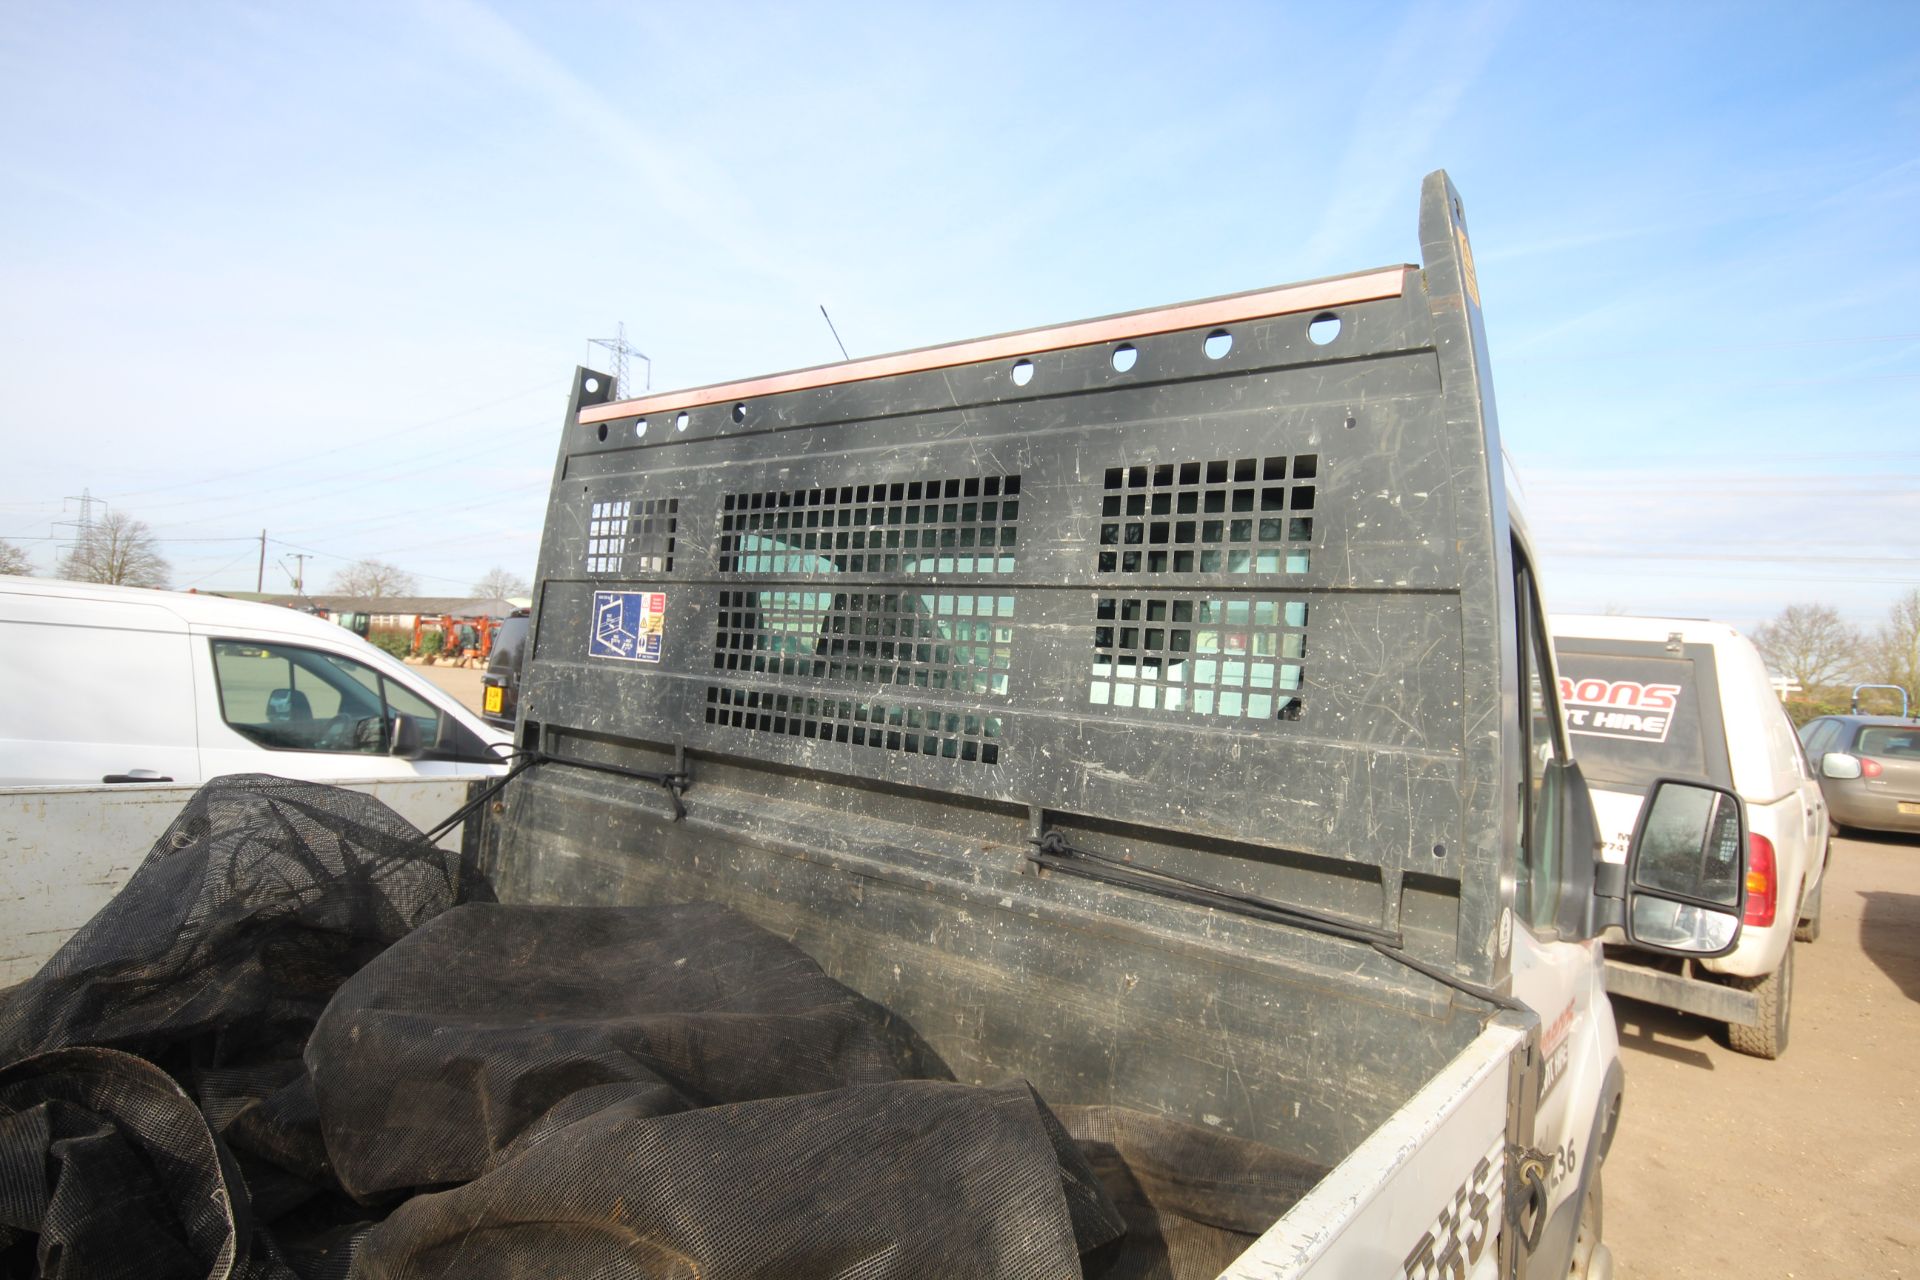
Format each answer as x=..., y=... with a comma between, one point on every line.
x=1424, y=1195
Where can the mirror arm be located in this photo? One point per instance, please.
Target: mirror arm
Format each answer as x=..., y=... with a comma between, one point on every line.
x=1609, y=895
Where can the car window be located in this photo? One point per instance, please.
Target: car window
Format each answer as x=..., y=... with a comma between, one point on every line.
x=288, y=698
x=1537, y=881
x=1819, y=737
x=406, y=702
x=1896, y=741
x=507, y=642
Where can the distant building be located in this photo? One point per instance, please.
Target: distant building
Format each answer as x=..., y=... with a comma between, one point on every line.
x=400, y=612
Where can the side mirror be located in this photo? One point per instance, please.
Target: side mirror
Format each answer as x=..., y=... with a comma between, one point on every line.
x=1686, y=870
x=1838, y=764
x=406, y=738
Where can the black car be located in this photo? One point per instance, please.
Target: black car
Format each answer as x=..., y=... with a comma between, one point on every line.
x=500, y=687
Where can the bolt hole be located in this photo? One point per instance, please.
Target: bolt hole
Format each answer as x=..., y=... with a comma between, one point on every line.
x=640, y=429
x=1324, y=329
x=1022, y=372
x=1219, y=342
x=1352, y=422
x=680, y=421
x=740, y=413
x=1124, y=357
x=1439, y=851
x=592, y=384
x=602, y=431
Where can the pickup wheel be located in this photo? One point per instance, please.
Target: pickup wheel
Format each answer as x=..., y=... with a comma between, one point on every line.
x=1808, y=928
x=1769, y=1039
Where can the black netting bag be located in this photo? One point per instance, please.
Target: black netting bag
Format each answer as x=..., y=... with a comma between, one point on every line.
x=213, y=963
x=108, y=1171
x=493, y=1024
x=260, y=899
x=916, y=1180
x=1193, y=1198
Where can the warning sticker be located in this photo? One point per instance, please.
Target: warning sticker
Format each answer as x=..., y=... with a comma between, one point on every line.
x=628, y=625
x=1619, y=708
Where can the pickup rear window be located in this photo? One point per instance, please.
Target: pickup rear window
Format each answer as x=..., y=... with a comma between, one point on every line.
x=1634, y=718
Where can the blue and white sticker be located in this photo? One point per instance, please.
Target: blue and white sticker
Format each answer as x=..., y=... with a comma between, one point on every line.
x=628, y=625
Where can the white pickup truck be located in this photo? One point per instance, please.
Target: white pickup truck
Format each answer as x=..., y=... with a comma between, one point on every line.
x=1159, y=708
x=1649, y=698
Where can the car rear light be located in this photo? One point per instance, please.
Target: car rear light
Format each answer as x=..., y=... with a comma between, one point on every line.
x=1763, y=887
x=1870, y=768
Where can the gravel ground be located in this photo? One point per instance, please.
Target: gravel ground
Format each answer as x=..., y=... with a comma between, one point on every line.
x=462, y=682
x=1805, y=1167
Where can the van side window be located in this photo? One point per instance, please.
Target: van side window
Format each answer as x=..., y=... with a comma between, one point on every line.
x=1538, y=874
x=287, y=698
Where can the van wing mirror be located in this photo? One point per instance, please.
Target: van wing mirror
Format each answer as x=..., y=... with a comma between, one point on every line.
x=406, y=738
x=1685, y=878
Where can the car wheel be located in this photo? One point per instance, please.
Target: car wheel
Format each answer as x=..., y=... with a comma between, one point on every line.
x=1769, y=1039
x=1808, y=927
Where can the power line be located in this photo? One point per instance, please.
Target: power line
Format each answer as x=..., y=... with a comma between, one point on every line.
x=54, y=537
x=385, y=433
x=1705, y=348
x=356, y=477
x=334, y=555
x=1586, y=553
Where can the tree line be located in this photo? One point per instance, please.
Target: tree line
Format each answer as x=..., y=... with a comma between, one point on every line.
x=1828, y=656
x=118, y=550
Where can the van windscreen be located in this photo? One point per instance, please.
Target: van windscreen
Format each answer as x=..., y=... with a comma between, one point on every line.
x=1633, y=719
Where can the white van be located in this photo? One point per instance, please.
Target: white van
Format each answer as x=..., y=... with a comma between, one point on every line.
x=124, y=685
x=1649, y=698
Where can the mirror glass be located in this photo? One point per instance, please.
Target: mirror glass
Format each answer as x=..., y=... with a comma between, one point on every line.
x=1691, y=845
x=1682, y=926
x=1838, y=764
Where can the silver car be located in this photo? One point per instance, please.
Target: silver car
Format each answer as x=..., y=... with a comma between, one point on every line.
x=1869, y=769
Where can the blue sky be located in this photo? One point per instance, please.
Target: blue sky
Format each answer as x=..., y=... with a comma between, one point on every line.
x=326, y=269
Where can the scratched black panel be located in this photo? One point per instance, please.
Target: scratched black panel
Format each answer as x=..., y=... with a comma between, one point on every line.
x=1254, y=597
x=1309, y=704
x=1031, y=564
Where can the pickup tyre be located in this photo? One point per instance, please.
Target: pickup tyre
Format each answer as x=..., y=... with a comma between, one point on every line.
x=1808, y=928
x=1767, y=1039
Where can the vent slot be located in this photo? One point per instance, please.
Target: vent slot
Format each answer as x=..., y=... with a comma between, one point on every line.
x=1234, y=658
x=946, y=735
x=930, y=640
x=1238, y=515
x=628, y=537
x=607, y=536
x=948, y=526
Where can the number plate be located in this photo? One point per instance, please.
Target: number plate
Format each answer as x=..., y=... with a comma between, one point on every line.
x=496, y=698
x=1908, y=806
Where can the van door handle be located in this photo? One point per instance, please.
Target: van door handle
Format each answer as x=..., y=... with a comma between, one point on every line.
x=137, y=775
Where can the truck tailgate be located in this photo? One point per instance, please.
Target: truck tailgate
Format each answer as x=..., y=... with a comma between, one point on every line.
x=1423, y=1196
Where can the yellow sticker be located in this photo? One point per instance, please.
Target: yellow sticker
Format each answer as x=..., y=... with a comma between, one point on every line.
x=496, y=698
